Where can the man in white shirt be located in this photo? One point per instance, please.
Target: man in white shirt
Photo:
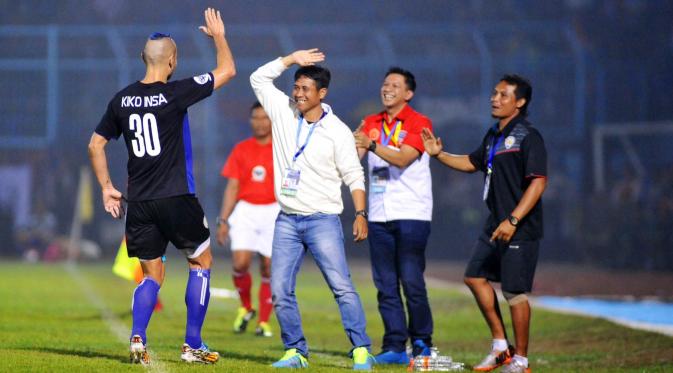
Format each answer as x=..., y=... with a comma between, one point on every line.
x=313, y=153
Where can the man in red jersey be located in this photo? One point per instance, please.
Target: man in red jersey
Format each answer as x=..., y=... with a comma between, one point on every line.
x=247, y=217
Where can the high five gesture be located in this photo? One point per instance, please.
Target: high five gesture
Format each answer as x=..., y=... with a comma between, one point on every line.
x=226, y=69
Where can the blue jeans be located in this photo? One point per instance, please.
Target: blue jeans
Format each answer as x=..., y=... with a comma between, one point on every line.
x=397, y=250
x=322, y=235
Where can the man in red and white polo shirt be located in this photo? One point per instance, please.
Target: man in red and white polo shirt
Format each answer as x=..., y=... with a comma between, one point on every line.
x=400, y=210
x=248, y=215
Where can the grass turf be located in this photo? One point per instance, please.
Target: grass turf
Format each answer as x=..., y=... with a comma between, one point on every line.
x=47, y=323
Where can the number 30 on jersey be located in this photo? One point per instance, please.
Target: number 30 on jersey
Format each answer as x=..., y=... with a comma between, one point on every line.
x=146, y=133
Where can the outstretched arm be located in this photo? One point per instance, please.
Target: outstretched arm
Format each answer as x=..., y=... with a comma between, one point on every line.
x=111, y=197
x=226, y=69
x=433, y=146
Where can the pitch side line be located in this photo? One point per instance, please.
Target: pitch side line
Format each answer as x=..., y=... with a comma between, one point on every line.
x=114, y=324
x=656, y=328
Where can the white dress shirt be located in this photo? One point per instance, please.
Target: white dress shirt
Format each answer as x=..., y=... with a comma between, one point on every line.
x=408, y=194
x=329, y=158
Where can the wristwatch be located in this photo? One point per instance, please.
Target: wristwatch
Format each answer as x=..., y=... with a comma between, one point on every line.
x=362, y=213
x=219, y=221
x=372, y=146
x=513, y=220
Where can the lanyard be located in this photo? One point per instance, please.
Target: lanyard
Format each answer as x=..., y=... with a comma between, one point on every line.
x=310, y=132
x=491, y=155
x=385, y=140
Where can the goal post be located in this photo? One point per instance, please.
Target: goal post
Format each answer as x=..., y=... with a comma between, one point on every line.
x=624, y=132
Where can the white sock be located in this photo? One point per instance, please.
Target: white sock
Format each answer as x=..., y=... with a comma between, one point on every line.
x=499, y=345
x=522, y=360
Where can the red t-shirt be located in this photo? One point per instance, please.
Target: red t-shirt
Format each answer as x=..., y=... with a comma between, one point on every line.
x=379, y=127
x=252, y=164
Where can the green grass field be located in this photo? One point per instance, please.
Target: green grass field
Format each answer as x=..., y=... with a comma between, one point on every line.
x=48, y=324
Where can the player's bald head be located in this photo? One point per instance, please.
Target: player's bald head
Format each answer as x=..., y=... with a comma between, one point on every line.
x=159, y=51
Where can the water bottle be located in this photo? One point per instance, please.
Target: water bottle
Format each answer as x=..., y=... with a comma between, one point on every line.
x=436, y=363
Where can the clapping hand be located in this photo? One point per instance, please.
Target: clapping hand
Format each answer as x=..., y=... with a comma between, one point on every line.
x=361, y=139
x=433, y=145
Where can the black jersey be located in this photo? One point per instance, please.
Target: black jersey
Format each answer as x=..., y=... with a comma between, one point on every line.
x=520, y=156
x=153, y=118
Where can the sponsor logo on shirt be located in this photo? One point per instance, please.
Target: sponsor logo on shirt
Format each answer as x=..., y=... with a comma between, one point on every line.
x=401, y=137
x=509, y=141
x=202, y=79
x=258, y=173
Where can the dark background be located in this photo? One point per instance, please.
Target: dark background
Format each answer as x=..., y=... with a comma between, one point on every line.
x=602, y=74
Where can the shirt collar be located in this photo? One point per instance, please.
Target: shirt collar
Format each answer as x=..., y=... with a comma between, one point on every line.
x=509, y=127
x=328, y=112
x=403, y=115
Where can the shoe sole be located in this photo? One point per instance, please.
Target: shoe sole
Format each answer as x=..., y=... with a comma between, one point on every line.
x=291, y=365
x=139, y=357
x=493, y=367
x=193, y=359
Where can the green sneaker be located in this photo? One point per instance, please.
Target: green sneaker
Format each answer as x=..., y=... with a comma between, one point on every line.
x=291, y=359
x=263, y=330
x=242, y=319
x=362, y=359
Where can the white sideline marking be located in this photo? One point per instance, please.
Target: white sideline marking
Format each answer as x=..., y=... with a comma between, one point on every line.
x=114, y=324
x=223, y=293
x=656, y=328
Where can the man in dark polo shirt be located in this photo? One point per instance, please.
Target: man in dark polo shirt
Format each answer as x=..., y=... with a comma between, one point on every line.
x=513, y=158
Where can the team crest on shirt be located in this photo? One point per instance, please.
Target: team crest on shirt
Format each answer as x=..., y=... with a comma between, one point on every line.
x=258, y=173
x=401, y=137
x=509, y=141
x=374, y=134
x=202, y=79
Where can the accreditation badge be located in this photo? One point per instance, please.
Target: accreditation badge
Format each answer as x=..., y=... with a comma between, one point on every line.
x=379, y=180
x=290, y=184
x=487, y=183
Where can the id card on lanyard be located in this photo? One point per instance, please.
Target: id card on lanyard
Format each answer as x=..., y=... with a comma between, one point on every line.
x=381, y=175
x=489, y=165
x=290, y=183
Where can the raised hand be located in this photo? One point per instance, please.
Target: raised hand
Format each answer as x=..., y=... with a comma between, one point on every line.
x=433, y=145
x=214, y=25
x=307, y=57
